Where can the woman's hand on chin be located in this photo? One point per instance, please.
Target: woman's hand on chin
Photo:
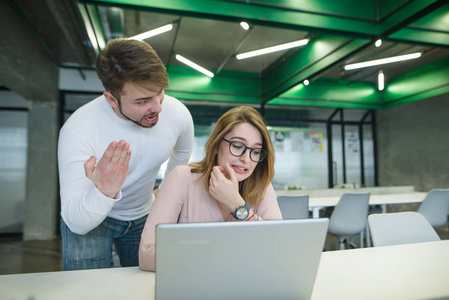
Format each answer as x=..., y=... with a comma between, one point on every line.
x=224, y=186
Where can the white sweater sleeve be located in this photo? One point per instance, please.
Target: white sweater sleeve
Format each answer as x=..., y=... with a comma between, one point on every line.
x=83, y=206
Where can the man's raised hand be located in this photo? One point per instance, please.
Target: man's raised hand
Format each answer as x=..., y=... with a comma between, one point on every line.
x=111, y=171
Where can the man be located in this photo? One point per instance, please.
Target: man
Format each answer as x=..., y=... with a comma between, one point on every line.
x=110, y=151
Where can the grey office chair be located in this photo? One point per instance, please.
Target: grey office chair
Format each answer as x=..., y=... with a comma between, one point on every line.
x=400, y=228
x=349, y=217
x=435, y=207
x=294, y=207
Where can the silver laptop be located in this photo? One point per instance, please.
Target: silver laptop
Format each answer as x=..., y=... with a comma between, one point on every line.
x=238, y=260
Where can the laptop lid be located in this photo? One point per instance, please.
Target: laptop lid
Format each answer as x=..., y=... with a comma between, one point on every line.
x=239, y=260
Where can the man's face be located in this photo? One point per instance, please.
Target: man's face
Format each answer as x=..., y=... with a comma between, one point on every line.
x=137, y=104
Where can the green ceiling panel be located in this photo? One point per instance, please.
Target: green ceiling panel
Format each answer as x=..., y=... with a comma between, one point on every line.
x=323, y=103
x=281, y=84
x=317, y=55
x=429, y=68
x=257, y=14
x=432, y=29
x=350, y=8
x=97, y=26
x=209, y=97
x=422, y=36
x=408, y=11
x=430, y=79
x=436, y=20
x=386, y=7
x=423, y=95
x=189, y=84
x=94, y=29
x=331, y=93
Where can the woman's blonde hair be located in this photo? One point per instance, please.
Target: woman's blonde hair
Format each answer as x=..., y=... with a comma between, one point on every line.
x=253, y=188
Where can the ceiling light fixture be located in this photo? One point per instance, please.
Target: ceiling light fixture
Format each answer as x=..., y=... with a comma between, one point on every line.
x=148, y=34
x=272, y=49
x=306, y=82
x=381, y=80
x=378, y=43
x=244, y=25
x=383, y=61
x=194, y=65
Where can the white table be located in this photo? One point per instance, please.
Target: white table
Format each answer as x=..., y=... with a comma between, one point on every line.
x=413, y=271
x=316, y=203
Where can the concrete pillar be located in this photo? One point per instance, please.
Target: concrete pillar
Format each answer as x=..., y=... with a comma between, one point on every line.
x=41, y=187
x=26, y=69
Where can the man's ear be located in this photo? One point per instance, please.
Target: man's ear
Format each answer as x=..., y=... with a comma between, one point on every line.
x=111, y=99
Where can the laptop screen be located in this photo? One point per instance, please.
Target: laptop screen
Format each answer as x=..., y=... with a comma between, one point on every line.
x=239, y=260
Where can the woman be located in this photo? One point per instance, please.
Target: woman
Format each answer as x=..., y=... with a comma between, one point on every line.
x=232, y=183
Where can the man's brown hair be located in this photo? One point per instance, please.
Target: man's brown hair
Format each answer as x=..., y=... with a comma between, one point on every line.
x=126, y=60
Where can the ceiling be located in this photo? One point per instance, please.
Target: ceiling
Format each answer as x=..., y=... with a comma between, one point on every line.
x=208, y=33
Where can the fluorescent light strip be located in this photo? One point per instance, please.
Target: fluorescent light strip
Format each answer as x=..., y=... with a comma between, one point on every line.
x=381, y=81
x=382, y=61
x=148, y=34
x=194, y=65
x=272, y=49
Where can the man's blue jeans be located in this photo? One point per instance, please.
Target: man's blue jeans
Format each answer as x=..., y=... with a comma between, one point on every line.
x=94, y=249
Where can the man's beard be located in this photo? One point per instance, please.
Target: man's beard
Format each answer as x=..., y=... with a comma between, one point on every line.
x=134, y=121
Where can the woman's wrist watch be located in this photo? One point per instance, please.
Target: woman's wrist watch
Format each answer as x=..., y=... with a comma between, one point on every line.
x=241, y=212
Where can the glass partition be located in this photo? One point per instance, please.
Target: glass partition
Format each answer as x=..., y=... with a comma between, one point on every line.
x=301, y=157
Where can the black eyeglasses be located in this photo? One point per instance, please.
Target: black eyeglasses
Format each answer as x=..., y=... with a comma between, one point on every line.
x=238, y=149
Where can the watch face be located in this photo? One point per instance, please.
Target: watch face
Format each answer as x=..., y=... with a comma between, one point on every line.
x=242, y=213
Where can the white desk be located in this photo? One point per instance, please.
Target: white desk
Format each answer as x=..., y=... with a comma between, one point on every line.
x=316, y=203
x=413, y=271
x=101, y=284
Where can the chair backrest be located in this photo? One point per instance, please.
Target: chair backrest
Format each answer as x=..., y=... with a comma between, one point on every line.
x=294, y=207
x=400, y=228
x=435, y=207
x=350, y=213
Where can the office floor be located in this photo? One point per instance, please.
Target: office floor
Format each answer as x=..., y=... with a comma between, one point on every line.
x=17, y=256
